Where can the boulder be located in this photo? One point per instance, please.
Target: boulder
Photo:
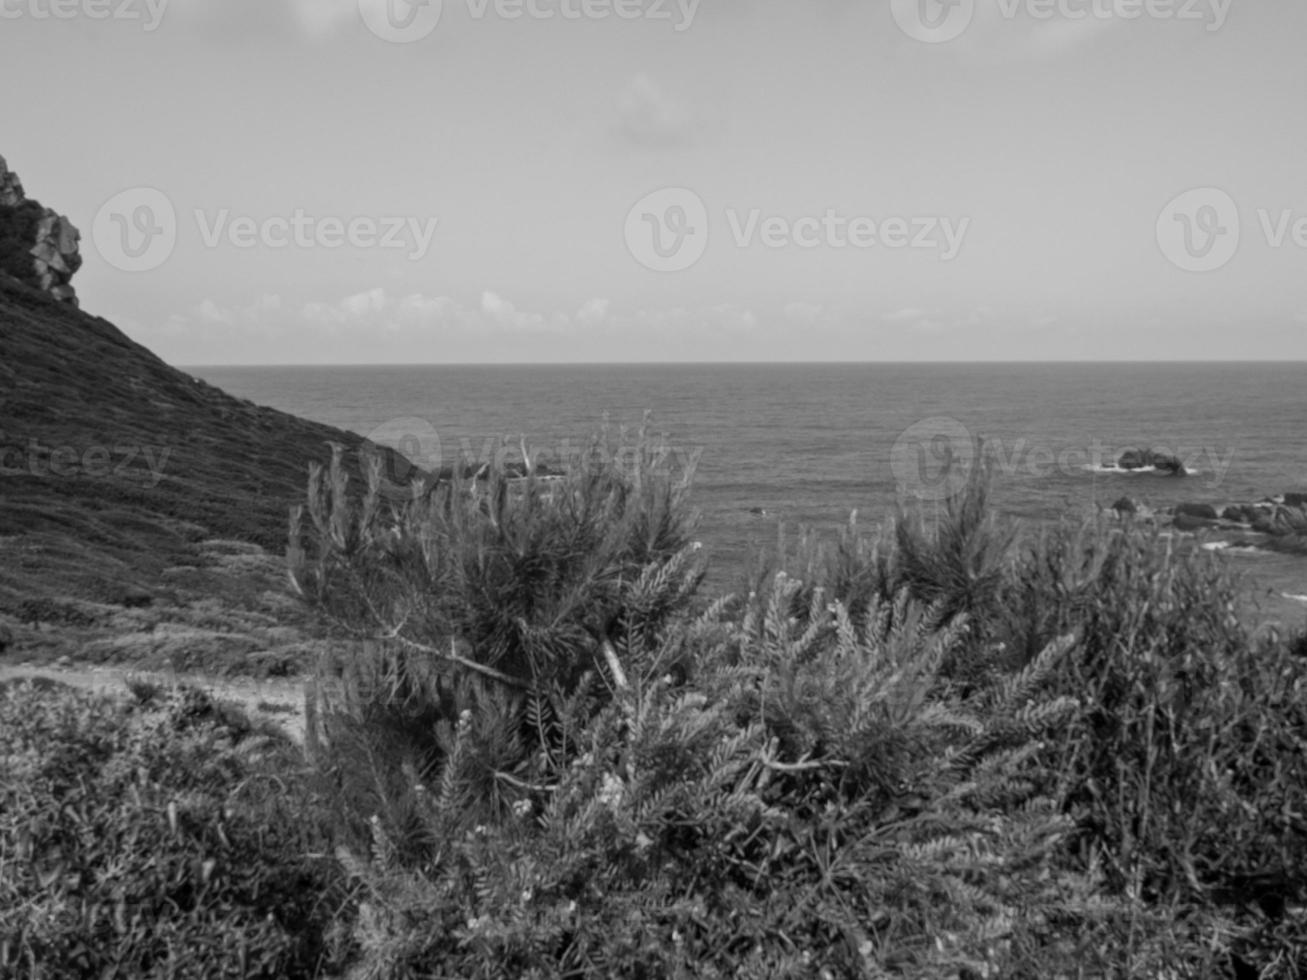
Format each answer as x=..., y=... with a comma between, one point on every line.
x=1298, y=500
x=1201, y=512
x=1169, y=464
x=1135, y=459
x=1234, y=514
x=1291, y=519
x=1126, y=506
x=6, y=638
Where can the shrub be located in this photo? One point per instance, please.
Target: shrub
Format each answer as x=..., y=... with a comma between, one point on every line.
x=806, y=808
x=154, y=841
x=527, y=584
x=934, y=750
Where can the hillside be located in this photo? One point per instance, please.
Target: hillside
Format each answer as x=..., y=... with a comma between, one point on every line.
x=143, y=512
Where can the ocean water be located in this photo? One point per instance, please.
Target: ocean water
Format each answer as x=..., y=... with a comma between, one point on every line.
x=804, y=445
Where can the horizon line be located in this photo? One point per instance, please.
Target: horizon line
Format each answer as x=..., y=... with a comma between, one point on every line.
x=772, y=363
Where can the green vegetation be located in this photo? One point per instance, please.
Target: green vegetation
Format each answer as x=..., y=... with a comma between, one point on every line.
x=165, y=838
x=932, y=750
x=143, y=511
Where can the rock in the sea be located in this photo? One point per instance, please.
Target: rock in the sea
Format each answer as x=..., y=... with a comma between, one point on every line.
x=1126, y=506
x=1234, y=514
x=1201, y=512
x=1135, y=459
x=1169, y=464
x=1146, y=459
x=1295, y=500
x=37, y=246
x=6, y=638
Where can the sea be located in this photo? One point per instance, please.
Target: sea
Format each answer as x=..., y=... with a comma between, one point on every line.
x=777, y=449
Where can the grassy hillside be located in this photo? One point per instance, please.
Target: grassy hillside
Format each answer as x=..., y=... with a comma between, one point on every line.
x=139, y=506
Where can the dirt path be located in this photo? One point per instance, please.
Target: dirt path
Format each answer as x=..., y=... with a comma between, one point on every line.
x=279, y=701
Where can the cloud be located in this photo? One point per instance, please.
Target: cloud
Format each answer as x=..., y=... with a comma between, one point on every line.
x=503, y=313
x=937, y=321
x=593, y=312
x=648, y=117
x=734, y=319
x=373, y=323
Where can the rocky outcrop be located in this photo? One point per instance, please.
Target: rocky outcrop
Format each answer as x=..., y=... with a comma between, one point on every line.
x=1146, y=459
x=1202, y=512
x=37, y=246
x=11, y=188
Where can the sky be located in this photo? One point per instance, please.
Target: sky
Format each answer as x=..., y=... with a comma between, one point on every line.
x=529, y=181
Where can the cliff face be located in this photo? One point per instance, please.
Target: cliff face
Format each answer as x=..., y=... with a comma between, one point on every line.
x=37, y=246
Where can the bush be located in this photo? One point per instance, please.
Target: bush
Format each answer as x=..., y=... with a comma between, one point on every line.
x=164, y=839
x=528, y=584
x=934, y=750
x=804, y=808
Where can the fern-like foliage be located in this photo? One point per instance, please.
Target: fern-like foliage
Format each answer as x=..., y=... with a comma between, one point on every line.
x=499, y=595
